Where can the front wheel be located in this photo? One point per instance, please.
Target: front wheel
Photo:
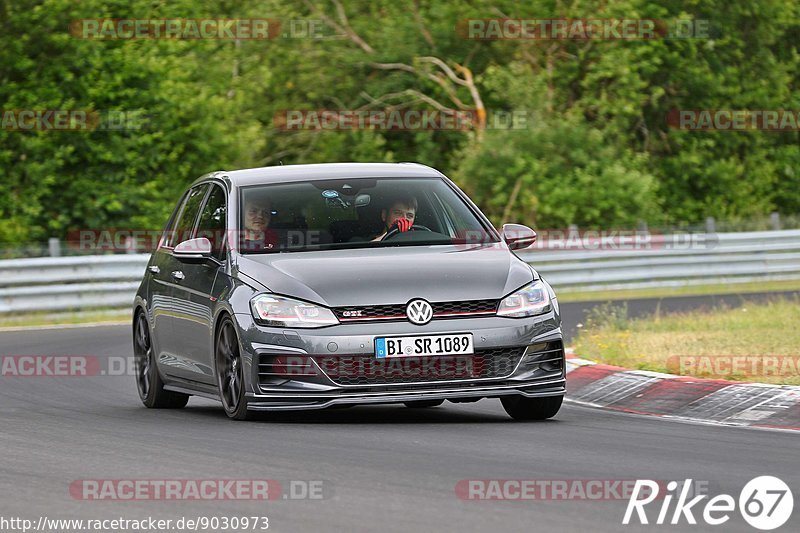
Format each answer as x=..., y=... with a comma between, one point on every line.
x=230, y=371
x=523, y=408
x=148, y=381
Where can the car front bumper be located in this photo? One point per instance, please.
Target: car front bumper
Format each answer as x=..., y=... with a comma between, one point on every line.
x=535, y=374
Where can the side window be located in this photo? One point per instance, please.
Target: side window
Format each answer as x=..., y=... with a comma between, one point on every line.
x=185, y=224
x=212, y=221
x=167, y=238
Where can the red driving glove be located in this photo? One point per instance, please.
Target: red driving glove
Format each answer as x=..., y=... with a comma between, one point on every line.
x=403, y=225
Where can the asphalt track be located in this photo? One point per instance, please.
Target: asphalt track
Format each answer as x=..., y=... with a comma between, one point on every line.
x=384, y=468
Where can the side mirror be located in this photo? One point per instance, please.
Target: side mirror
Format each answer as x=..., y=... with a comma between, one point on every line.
x=193, y=250
x=518, y=236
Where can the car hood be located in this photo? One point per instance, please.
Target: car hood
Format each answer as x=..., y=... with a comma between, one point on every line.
x=390, y=275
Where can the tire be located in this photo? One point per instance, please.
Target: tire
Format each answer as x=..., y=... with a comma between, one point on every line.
x=523, y=408
x=422, y=404
x=148, y=380
x=230, y=371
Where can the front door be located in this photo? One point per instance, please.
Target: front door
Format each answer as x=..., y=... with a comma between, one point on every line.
x=194, y=325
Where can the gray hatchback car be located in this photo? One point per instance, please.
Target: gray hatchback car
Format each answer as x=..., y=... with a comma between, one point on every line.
x=332, y=285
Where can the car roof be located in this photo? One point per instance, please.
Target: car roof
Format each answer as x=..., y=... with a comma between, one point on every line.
x=323, y=171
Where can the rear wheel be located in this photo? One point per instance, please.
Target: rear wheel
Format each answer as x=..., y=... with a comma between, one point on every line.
x=230, y=372
x=421, y=404
x=523, y=408
x=148, y=381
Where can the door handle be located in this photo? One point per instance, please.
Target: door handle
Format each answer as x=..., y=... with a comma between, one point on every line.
x=178, y=275
x=154, y=269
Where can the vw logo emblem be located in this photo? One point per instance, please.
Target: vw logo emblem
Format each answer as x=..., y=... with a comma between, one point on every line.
x=419, y=312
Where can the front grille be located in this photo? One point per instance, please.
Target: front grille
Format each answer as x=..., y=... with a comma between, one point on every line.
x=368, y=370
x=398, y=311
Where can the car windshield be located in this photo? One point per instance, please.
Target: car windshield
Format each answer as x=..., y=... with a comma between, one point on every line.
x=356, y=213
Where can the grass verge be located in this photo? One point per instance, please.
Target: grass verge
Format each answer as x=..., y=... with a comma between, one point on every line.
x=756, y=342
x=110, y=316
x=687, y=290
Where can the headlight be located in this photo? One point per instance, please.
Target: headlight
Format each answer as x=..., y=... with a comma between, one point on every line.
x=271, y=310
x=531, y=300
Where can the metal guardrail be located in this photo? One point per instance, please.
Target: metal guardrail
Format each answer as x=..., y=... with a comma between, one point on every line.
x=109, y=281
x=673, y=261
x=65, y=283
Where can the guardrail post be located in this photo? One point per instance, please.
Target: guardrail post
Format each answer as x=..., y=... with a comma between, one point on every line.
x=775, y=220
x=54, y=245
x=711, y=225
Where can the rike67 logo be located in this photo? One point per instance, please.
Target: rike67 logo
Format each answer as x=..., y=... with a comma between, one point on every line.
x=765, y=503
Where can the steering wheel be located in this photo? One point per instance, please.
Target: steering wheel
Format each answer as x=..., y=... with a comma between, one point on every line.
x=394, y=231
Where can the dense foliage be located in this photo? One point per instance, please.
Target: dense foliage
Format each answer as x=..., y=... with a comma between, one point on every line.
x=596, y=149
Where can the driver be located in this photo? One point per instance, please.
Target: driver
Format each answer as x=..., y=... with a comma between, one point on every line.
x=399, y=215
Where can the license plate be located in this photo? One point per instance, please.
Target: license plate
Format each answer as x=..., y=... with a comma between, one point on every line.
x=427, y=345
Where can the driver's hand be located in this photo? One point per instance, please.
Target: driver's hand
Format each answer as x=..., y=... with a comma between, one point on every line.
x=403, y=225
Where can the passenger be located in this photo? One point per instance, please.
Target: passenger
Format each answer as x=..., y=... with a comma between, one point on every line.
x=257, y=235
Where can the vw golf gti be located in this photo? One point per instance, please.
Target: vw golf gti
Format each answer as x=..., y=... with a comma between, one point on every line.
x=334, y=285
